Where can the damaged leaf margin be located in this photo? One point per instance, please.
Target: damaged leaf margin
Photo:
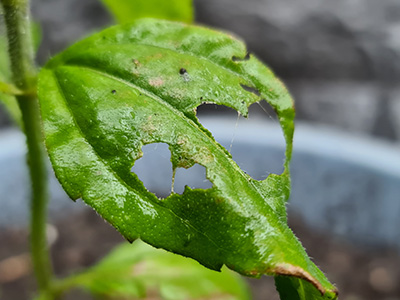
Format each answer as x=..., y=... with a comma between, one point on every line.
x=130, y=85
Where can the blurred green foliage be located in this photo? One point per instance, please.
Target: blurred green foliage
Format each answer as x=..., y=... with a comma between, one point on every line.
x=125, y=11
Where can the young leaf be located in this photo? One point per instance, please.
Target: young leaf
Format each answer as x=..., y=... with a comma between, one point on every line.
x=108, y=95
x=139, y=271
x=126, y=11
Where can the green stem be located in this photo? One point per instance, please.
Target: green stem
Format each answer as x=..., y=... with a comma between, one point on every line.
x=20, y=46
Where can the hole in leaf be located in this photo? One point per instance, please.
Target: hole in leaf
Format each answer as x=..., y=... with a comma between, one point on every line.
x=154, y=169
x=263, y=109
x=194, y=177
x=251, y=89
x=256, y=144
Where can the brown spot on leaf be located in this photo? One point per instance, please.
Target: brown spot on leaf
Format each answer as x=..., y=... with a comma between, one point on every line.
x=156, y=82
x=219, y=200
x=182, y=141
x=136, y=62
x=204, y=156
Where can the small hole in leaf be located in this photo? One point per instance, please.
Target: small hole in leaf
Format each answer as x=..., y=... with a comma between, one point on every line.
x=154, y=169
x=251, y=89
x=194, y=177
x=256, y=144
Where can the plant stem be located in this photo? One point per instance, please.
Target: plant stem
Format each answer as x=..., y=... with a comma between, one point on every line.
x=17, y=19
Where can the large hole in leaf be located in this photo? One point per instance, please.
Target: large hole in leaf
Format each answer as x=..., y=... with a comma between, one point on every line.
x=194, y=177
x=256, y=143
x=154, y=169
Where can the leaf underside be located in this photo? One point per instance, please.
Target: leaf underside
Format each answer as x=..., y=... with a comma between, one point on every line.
x=130, y=85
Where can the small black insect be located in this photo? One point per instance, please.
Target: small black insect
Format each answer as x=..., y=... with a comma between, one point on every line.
x=182, y=71
x=113, y=92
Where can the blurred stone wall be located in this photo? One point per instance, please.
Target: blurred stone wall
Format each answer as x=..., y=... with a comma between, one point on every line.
x=340, y=59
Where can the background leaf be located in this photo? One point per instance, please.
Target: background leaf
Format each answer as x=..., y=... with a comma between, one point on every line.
x=125, y=11
x=139, y=271
x=108, y=95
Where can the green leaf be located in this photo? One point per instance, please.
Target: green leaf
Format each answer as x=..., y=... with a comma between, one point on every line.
x=140, y=271
x=126, y=11
x=108, y=95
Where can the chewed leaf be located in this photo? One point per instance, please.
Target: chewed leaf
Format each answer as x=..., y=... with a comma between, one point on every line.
x=108, y=95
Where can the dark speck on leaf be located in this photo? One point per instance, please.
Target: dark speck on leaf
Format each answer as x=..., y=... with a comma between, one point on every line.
x=114, y=92
x=182, y=71
x=201, y=98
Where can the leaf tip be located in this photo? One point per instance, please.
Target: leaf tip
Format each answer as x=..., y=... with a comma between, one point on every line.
x=291, y=270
